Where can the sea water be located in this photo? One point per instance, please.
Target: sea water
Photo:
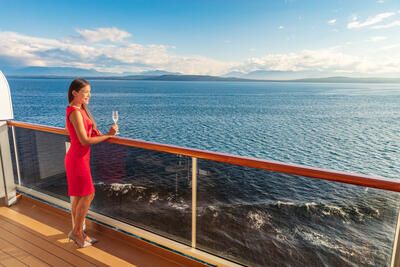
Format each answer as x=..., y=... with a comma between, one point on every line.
x=346, y=127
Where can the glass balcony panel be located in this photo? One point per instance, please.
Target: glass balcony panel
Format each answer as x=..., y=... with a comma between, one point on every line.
x=148, y=189
x=263, y=218
x=41, y=161
x=145, y=188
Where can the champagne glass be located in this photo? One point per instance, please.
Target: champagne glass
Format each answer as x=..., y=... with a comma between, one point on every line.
x=115, y=117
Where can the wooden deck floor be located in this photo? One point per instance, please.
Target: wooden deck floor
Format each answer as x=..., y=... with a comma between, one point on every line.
x=35, y=234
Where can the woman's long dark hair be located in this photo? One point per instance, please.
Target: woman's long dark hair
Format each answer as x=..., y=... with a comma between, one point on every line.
x=77, y=85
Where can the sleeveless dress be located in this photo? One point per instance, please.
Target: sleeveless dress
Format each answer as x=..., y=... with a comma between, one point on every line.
x=77, y=160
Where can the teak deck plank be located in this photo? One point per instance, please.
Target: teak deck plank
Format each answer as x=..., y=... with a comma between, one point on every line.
x=22, y=257
x=61, y=249
x=32, y=248
x=12, y=256
x=34, y=233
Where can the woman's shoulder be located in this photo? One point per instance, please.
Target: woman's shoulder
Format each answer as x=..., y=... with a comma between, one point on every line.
x=70, y=109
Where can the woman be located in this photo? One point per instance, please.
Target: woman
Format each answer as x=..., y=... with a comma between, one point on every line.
x=83, y=133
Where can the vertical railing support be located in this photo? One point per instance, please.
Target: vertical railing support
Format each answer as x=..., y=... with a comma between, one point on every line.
x=194, y=200
x=7, y=185
x=3, y=182
x=16, y=154
x=396, y=245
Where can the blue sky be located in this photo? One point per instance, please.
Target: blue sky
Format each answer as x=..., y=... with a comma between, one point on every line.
x=360, y=37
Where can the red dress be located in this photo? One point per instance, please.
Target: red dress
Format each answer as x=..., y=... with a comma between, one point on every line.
x=77, y=160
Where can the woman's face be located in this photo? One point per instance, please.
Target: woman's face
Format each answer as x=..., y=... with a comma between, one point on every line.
x=83, y=96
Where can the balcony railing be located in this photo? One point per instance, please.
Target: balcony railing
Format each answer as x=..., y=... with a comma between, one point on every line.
x=250, y=211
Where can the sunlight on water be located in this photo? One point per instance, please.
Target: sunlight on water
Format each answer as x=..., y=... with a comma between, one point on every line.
x=350, y=127
x=242, y=211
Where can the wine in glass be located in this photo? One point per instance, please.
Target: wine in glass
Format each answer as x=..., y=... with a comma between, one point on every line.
x=115, y=117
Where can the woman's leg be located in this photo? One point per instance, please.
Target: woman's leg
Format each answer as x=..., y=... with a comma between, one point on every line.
x=73, y=207
x=81, y=204
x=76, y=229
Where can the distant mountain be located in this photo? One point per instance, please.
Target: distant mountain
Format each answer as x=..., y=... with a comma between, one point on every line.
x=348, y=80
x=56, y=71
x=161, y=75
x=191, y=78
x=236, y=74
x=150, y=73
x=275, y=74
x=7, y=70
x=75, y=72
x=271, y=74
x=309, y=80
x=158, y=73
x=304, y=75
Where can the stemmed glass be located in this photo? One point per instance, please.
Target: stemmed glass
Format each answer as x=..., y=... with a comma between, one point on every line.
x=115, y=117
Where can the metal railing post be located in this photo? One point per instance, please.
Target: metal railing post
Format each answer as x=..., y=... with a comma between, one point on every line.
x=194, y=200
x=396, y=245
x=7, y=185
x=3, y=188
x=16, y=155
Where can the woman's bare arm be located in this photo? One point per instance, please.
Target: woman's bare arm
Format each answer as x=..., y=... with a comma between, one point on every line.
x=77, y=121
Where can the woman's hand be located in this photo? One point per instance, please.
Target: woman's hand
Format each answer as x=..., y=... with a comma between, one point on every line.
x=96, y=132
x=113, y=130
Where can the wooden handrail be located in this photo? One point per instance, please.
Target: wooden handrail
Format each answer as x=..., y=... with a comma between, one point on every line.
x=330, y=175
x=38, y=127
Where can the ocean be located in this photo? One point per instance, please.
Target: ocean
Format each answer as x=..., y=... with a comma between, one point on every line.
x=255, y=217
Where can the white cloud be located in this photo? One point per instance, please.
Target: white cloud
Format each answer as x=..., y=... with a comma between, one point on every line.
x=116, y=57
x=380, y=1
x=332, y=21
x=281, y=27
x=390, y=25
x=389, y=47
x=370, y=21
x=21, y=47
x=104, y=34
x=306, y=59
x=131, y=57
x=376, y=38
x=326, y=60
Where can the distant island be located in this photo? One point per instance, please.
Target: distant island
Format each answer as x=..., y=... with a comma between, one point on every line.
x=203, y=78
x=35, y=72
